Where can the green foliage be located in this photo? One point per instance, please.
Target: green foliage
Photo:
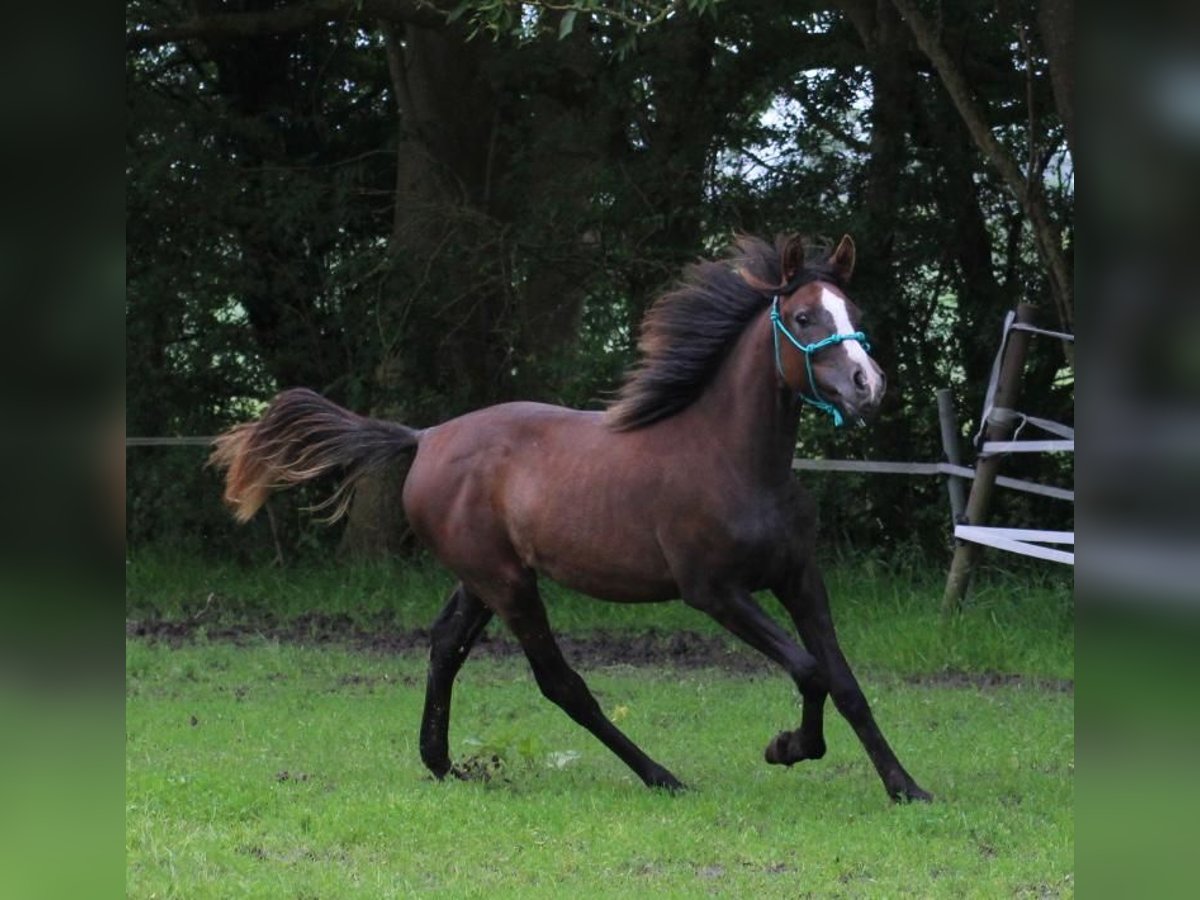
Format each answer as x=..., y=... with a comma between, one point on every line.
x=525, y=20
x=419, y=247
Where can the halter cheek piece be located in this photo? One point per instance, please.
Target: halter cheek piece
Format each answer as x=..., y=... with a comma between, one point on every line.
x=808, y=350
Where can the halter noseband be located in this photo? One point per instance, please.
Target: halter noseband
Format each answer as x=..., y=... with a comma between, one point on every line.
x=808, y=350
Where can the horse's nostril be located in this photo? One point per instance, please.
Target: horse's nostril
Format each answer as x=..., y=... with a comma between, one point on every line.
x=860, y=379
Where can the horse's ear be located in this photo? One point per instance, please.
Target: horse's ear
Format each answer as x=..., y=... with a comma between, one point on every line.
x=842, y=260
x=794, y=254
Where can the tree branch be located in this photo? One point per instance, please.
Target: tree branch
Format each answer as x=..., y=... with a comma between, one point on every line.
x=1056, y=25
x=285, y=19
x=834, y=130
x=1046, y=232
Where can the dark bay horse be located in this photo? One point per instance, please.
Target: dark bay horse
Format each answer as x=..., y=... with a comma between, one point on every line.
x=682, y=488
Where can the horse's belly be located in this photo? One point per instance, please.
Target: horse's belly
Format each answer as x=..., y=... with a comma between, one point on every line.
x=617, y=587
x=624, y=567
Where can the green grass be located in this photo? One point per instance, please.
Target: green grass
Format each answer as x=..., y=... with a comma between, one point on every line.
x=887, y=617
x=282, y=771
x=275, y=770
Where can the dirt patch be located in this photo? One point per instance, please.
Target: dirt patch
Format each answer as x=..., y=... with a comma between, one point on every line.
x=652, y=647
x=990, y=681
x=673, y=649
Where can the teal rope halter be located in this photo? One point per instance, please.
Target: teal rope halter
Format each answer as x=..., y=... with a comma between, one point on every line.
x=808, y=350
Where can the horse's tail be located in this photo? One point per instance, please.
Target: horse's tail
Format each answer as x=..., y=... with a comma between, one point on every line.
x=300, y=436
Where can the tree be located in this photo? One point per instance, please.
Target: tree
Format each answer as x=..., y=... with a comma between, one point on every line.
x=1025, y=186
x=420, y=209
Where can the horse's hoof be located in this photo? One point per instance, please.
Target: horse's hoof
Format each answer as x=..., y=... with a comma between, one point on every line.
x=776, y=753
x=789, y=747
x=664, y=780
x=436, y=758
x=911, y=793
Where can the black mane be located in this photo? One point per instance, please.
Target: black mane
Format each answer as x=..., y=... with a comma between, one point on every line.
x=687, y=332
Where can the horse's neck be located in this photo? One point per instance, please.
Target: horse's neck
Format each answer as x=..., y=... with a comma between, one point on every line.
x=744, y=412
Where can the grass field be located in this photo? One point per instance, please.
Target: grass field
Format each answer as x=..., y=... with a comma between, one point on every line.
x=284, y=770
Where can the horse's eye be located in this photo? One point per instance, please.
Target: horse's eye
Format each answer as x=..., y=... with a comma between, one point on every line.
x=802, y=319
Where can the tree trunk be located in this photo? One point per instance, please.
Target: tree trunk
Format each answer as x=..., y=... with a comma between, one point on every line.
x=446, y=121
x=376, y=527
x=982, y=297
x=280, y=296
x=1056, y=26
x=668, y=174
x=892, y=90
x=1047, y=234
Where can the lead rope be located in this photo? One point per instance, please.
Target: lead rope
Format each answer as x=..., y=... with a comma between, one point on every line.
x=808, y=350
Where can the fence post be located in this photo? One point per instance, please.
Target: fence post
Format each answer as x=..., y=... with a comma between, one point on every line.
x=950, y=446
x=987, y=468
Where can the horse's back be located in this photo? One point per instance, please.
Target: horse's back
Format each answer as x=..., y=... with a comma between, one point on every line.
x=462, y=465
x=489, y=437
x=534, y=486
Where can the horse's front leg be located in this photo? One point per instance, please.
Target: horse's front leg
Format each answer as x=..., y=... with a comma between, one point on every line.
x=808, y=741
x=736, y=611
x=804, y=597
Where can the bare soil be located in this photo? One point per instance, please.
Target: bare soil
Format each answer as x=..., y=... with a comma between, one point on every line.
x=652, y=647
x=673, y=649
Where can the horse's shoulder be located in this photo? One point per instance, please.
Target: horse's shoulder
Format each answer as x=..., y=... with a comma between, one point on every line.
x=793, y=516
x=798, y=504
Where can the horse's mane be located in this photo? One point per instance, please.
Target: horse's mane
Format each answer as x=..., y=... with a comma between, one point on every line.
x=688, y=331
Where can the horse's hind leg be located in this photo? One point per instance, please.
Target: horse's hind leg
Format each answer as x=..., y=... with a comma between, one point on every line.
x=808, y=604
x=521, y=608
x=452, y=636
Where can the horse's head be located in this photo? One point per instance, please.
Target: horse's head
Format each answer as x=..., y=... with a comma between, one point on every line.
x=820, y=354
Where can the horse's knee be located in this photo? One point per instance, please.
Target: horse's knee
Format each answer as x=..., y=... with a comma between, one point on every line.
x=556, y=686
x=807, y=674
x=850, y=702
x=566, y=689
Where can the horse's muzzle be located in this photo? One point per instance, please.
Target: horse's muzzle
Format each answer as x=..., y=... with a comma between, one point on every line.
x=859, y=393
x=860, y=413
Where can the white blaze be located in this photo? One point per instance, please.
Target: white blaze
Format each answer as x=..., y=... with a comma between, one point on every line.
x=836, y=307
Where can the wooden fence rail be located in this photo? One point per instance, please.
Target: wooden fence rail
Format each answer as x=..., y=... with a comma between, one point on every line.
x=865, y=466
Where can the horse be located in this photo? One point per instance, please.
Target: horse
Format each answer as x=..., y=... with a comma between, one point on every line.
x=681, y=488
